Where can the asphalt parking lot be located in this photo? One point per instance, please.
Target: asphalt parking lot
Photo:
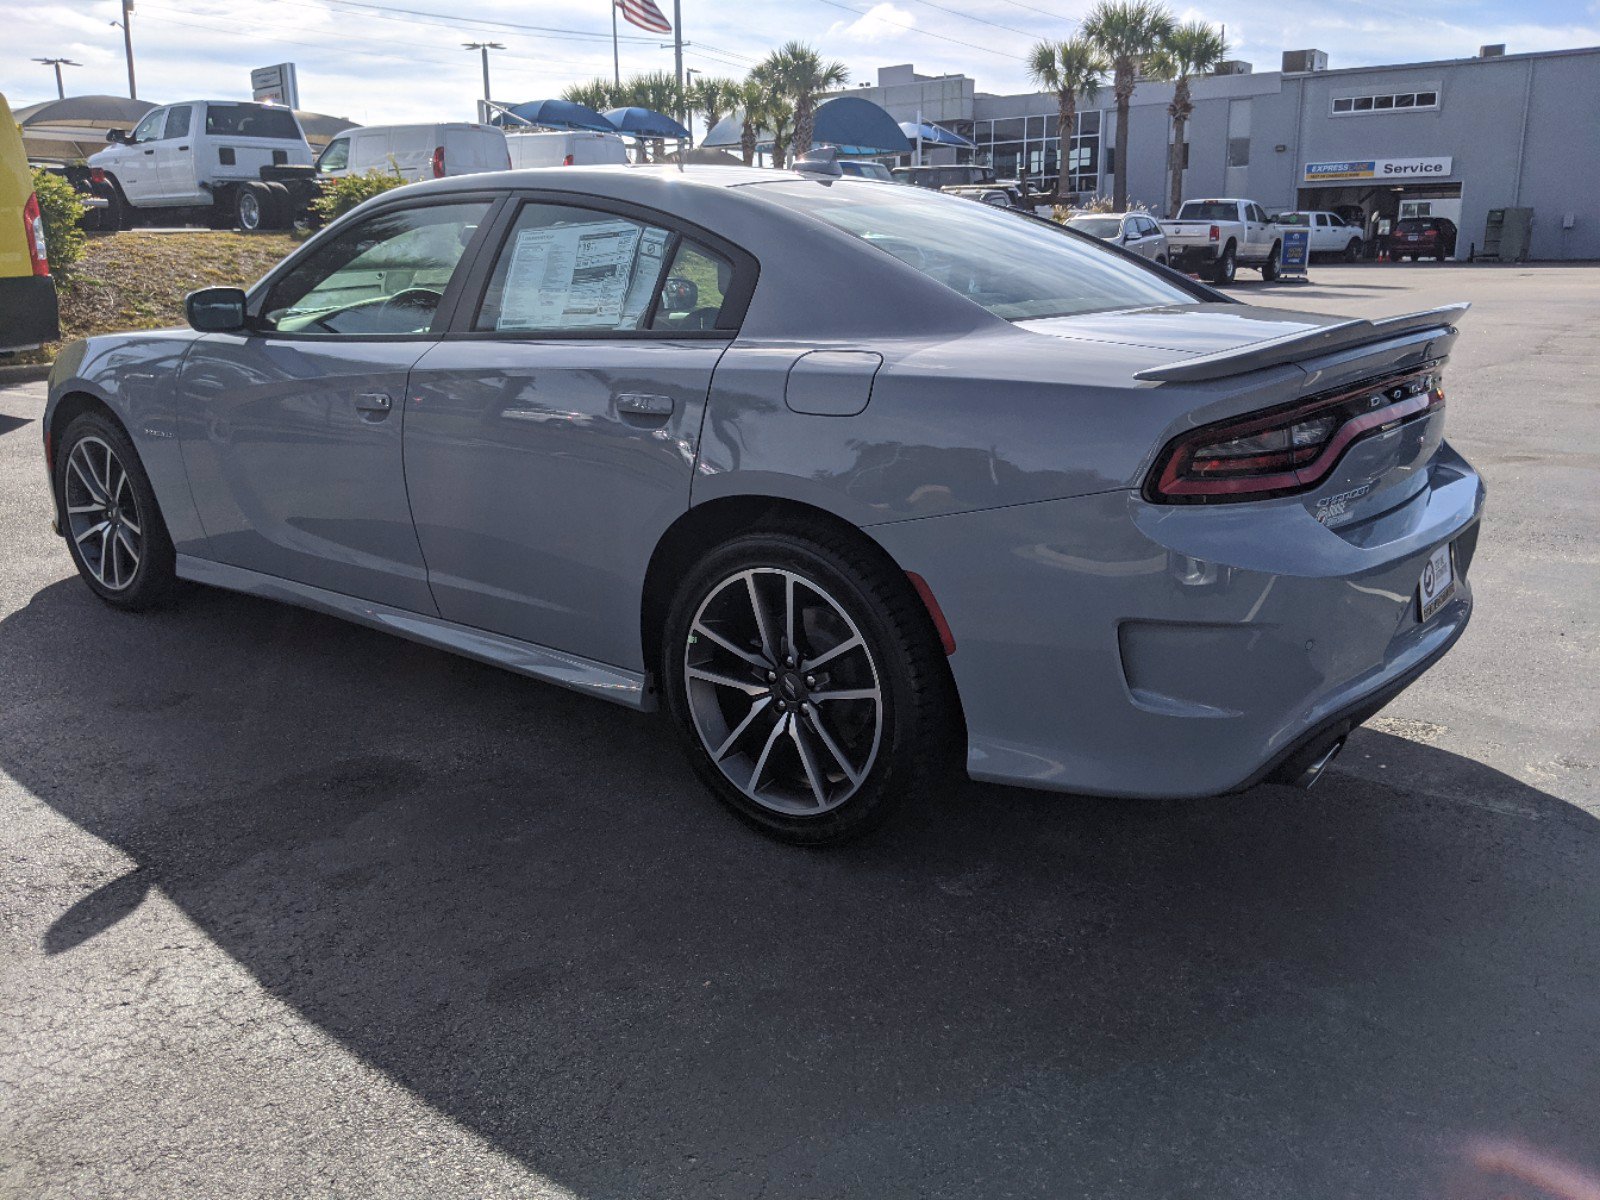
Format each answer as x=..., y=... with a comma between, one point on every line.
x=291, y=908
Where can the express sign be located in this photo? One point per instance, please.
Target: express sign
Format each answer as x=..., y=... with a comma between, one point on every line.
x=1379, y=168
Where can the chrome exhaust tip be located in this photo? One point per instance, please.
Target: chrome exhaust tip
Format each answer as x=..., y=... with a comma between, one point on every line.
x=1312, y=773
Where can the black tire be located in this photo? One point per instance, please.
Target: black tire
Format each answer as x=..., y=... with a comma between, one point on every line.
x=1225, y=267
x=1352, y=250
x=281, y=205
x=1161, y=260
x=153, y=578
x=900, y=659
x=1269, y=269
x=252, y=207
x=118, y=213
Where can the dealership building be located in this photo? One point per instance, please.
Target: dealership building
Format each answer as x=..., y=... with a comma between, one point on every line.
x=1494, y=143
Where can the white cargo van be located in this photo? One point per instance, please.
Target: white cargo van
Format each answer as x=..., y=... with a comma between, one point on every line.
x=416, y=151
x=541, y=148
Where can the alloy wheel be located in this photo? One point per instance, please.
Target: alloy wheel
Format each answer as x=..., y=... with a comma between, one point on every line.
x=103, y=515
x=783, y=691
x=249, y=211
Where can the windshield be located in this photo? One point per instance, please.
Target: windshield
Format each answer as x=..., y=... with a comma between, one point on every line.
x=1014, y=266
x=251, y=120
x=1294, y=218
x=867, y=170
x=1208, y=210
x=1100, y=227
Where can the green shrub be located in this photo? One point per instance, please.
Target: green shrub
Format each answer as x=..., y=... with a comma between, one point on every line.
x=62, y=208
x=339, y=196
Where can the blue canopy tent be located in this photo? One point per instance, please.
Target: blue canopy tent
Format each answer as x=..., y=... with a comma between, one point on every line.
x=934, y=135
x=853, y=124
x=644, y=123
x=554, y=114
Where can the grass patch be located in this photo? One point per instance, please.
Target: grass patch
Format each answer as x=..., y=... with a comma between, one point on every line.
x=138, y=279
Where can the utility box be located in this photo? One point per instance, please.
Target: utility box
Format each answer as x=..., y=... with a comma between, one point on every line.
x=1506, y=234
x=1296, y=62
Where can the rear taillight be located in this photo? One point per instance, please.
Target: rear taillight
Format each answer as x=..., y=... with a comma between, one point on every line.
x=438, y=162
x=1216, y=234
x=97, y=175
x=1287, y=449
x=1428, y=233
x=33, y=230
x=567, y=161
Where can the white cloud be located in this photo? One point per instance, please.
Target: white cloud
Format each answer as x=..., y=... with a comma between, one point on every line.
x=880, y=23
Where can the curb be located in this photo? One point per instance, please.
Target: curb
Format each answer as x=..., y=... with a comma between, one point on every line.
x=25, y=373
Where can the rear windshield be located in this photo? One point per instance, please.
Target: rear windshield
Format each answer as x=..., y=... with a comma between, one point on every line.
x=1294, y=218
x=1413, y=225
x=1100, y=227
x=251, y=120
x=1208, y=210
x=1015, y=266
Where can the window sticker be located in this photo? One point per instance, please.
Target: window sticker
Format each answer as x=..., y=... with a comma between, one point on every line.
x=570, y=276
x=645, y=273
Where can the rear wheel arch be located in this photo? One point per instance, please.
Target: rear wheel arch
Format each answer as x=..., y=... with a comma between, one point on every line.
x=706, y=526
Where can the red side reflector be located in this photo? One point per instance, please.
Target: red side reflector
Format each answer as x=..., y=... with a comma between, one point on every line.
x=925, y=593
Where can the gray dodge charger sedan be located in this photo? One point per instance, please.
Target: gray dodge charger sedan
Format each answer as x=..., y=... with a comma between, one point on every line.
x=863, y=483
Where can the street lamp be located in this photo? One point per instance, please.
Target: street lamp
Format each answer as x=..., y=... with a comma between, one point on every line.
x=127, y=44
x=58, y=63
x=484, y=48
x=690, y=73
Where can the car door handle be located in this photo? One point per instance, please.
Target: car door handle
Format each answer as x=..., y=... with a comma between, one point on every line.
x=644, y=404
x=183, y=147
x=374, y=406
x=149, y=151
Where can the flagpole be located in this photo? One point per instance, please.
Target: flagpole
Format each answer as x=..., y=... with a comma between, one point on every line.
x=616, y=58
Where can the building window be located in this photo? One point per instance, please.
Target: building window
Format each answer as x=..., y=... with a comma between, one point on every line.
x=1031, y=146
x=1239, y=152
x=1384, y=102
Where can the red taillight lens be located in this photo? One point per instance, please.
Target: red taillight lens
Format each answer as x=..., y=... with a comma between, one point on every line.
x=567, y=161
x=438, y=162
x=1428, y=233
x=33, y=230
x=1216, y=233
x=1288, y=449
x=97, y=175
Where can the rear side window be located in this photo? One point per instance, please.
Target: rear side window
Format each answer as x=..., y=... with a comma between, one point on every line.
x=251, y=120
x=694, y=290
x=178, y=122
x=1014, y=266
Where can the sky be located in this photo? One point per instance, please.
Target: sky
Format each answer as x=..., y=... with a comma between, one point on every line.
x=384, y=61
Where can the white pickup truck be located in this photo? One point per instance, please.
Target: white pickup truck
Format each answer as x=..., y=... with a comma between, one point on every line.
x=1214, y=238
x=229, y=163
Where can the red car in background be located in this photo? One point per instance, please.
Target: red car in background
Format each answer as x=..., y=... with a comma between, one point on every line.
x=1423, y=237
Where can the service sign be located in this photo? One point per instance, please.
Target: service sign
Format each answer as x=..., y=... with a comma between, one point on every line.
x=1397, y=169
x=1296, y=251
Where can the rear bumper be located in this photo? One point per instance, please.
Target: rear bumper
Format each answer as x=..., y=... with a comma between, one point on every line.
x=1113, y=647
x=28, y=314
x=1189, y=258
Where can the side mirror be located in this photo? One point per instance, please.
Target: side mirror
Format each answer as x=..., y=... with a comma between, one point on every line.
x=215, y=309
x=680, y=295
x=116, y=135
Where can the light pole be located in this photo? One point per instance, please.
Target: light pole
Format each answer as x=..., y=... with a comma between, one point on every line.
x=483, y=48
x=690, y=73
x=127, y=45
x=58, y=63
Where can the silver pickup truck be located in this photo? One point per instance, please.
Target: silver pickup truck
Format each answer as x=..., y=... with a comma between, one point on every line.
x=1214, y=238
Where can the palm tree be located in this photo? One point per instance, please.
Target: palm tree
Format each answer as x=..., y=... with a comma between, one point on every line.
x=1127, y=33
x=655, y=90
x=1068, y=69
x=773, y=108
x=797, y=73
x=598, y=94
x=750, y=97
x=714, y=98
x=1189, y=50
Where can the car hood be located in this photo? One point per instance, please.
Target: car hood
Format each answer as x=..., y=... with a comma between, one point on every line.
x=1183, y=329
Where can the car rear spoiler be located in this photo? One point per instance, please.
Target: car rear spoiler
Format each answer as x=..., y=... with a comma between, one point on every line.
x=1272, y=352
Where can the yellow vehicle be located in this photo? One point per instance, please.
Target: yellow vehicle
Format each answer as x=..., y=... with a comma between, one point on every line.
x=27, y=293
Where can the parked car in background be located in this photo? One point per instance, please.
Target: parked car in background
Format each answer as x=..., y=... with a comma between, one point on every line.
x=27, y=292
x=866, y=169
x=1329, y=233
x=224, y=162
x=416, y=151
x=946, y=175
x=1214, y=238
x=860, y=483
x=1423, y=237
x=1134, y=231
x=579, y=148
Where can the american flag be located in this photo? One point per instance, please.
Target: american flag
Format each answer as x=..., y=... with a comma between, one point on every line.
x=645, y=15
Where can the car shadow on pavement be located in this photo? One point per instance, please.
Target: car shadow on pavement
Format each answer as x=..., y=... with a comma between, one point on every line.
x=519, y=904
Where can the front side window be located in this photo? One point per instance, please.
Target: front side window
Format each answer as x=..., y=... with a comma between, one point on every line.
x=336, y=157
x=149, y=129
x=385, y=275
x=564, y=269
x=1014, y=266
